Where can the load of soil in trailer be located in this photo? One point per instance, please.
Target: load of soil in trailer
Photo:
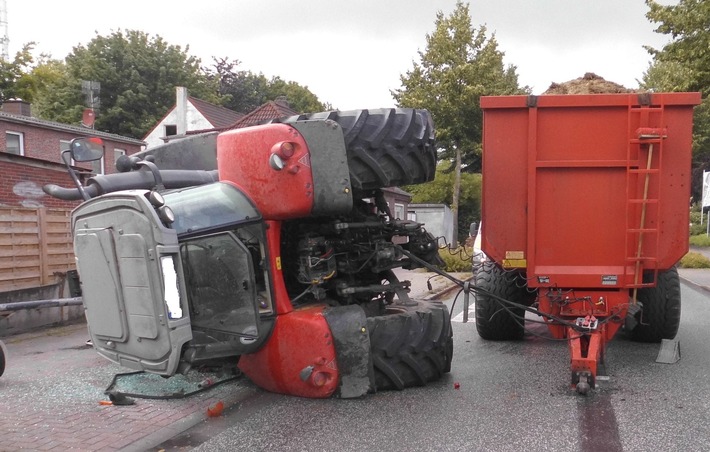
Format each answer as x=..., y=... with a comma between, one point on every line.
x=589, y=83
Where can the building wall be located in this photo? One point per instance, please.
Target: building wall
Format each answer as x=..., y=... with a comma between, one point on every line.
x=437, y=219
x=45, y=144
x=195, y=121
x=21, y=184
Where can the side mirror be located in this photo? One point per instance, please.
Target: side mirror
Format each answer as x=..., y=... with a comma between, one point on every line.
x=86, y=149
x=473, y=229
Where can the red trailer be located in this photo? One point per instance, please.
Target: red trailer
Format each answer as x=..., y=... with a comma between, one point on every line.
x=585, y=212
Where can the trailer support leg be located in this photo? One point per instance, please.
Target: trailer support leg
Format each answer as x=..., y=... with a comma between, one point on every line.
x=586, y=351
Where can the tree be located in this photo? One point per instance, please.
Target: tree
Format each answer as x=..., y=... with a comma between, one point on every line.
x=14, y=80
x=56, y=94
x=138, y=75
x=684, y=65
x=300, y=98
x=460, y=64
x=244, y=91
x=241, y=91
x=441, y=191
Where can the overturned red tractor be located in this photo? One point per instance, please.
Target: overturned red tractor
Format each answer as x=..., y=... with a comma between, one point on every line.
x=270, y=245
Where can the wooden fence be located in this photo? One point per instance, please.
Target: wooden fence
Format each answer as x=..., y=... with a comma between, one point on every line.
x=35, y=247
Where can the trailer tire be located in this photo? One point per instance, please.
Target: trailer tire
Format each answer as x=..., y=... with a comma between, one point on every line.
x=660, y=317
x=385, y=147
x=493, y=321
x=410, y=345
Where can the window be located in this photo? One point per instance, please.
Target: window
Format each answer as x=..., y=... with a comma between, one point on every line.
x=117, y=153
x=170, y=129
x=15, y=143
x=97, y=166
x=399, y=211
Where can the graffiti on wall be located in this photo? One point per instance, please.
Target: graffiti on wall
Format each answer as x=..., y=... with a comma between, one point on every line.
x=31, y=194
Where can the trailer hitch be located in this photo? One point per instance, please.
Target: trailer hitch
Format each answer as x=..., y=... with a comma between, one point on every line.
x=586, y=352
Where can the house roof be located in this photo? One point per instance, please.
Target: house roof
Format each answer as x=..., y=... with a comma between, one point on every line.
x=270, y=110
x=219, y=117
x=216, y=115
x=84, y=131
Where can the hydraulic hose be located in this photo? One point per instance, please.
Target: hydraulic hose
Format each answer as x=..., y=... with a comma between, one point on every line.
x=99, y=185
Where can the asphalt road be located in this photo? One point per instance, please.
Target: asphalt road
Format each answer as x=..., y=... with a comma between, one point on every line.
x=511, y=396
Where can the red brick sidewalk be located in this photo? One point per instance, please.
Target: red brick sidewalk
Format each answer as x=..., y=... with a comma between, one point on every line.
x=53, y=382
x=50, y=393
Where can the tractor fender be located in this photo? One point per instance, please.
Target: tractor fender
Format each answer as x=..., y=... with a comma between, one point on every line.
x=348, y=326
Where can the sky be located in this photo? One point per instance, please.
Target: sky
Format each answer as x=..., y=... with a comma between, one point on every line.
x=352, y=53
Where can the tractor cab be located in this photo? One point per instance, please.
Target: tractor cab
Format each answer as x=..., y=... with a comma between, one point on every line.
x=188, y=280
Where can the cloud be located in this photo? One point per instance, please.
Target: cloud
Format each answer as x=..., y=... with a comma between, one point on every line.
x=351, y=52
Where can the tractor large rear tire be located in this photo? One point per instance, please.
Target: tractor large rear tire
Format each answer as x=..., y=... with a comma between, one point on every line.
x=411, y=345
x=385, y=147
x=493, y=321
x=660, y=317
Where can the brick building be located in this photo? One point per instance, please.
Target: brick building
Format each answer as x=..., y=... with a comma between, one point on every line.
x=30, y=156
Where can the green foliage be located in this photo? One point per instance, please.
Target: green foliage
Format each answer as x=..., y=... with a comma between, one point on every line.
x=700, y=240
x=300, y=98
x=460, y=64
x=694, y=260
x=698, y=229
x=684, y=65
x=14, y=79
x=244, y=91
x=138, y=75
x=440, y=191
x=57, y=95
x=456, y=260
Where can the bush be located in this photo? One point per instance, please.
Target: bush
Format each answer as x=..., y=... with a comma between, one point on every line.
x=695, y=217
x=456, y=260
x=700, y=240
x=697, y=229
x=694, y=260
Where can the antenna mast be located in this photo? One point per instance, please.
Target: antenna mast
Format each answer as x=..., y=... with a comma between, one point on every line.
x=4, y=38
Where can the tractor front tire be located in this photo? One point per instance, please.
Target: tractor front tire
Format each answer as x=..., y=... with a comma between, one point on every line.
x=385, y=147
x=494, y=319
x=410, y=345
x=660, y=317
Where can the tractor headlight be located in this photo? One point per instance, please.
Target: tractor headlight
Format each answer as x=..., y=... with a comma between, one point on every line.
x=170, y=289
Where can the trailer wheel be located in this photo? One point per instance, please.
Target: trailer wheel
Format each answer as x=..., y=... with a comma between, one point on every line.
x=493, y=321
x=410, y=345
x=660, y=317
x=386, y=147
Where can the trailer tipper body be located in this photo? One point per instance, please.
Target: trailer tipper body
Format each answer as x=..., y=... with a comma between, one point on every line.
x=585, y=213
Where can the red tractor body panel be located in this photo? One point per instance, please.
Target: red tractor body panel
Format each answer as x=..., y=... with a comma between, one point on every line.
x=243, y=156
x=299, y=358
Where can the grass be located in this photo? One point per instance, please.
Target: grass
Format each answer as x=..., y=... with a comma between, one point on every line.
x=700, y=240
x=694, y=260
x=456, y=260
